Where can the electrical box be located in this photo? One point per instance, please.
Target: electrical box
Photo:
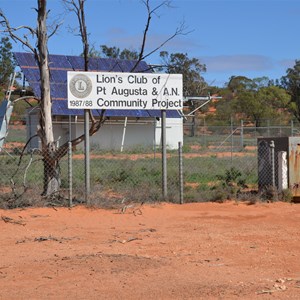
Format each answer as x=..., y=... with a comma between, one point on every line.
x=272, y=171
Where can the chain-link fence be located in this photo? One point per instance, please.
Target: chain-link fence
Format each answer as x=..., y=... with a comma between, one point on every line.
x=219, y=162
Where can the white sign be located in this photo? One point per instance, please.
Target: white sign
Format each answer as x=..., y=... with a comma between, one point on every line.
x=106, y=90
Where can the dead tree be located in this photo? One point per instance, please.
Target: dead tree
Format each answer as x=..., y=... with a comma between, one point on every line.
x=40, y=51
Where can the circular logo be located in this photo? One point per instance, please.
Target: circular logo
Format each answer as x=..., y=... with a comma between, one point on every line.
x=80, y=86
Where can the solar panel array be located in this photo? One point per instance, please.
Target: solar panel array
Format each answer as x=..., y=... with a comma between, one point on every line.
x=60, y=64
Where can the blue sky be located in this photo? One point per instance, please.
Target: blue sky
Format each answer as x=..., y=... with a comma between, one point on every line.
x=252, y=38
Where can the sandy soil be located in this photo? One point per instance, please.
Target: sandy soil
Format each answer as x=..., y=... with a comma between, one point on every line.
x=163, y=251
x=158, y=155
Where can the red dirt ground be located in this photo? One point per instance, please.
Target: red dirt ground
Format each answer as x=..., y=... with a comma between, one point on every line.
x=163, y=251
x=151, y=155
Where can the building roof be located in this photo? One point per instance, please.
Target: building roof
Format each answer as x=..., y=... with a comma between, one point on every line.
x=60, y=64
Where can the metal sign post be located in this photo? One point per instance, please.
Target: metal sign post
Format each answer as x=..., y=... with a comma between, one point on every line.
x=164, y=154
x=87, y=155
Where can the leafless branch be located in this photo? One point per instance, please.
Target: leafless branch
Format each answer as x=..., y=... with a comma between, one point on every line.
x=12, y=32
x=95, y=126
x=78, y=8
x=26, y=170
x=181, y=30
x=25, y=98
x=23, y=150
x=54, y=30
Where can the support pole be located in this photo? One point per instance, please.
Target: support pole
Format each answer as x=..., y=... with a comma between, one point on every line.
x=87, y=155
x=180, y=173
x=124, y=133
x=70, y=174
x=231, y=129
x=154, y=138
x=164, y=154
x=272, y=146
x=282, y=171
x=242, y=135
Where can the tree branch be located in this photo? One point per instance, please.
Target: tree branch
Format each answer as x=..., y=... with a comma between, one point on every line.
x=54, y=30
x=11, y=31
x=96, y=125
x=179, y=31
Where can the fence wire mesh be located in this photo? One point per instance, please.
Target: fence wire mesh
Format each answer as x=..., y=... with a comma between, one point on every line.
x=218, y=162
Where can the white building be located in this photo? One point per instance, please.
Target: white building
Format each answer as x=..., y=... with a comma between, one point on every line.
x=117, y=133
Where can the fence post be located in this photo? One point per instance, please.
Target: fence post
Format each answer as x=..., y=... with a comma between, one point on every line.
x=70, y=169
x=180, y=173
x=231, y=129
x=272, y=146
x=282, y=171
x=242, y=134
x=204, y=130
x=164, y=154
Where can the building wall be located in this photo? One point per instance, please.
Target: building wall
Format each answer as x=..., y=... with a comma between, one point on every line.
x=174, y=132
x=110, y=136
x=138, y=133
x=31, y=128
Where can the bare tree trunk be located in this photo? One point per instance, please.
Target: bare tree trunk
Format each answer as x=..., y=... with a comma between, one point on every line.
x=51, y=168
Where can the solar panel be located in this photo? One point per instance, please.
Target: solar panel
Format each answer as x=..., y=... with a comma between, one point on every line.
x=32, y=75
x=127, y=113
x=59, y=91
x=60, y=64
x=96, y=64
x=173, y=114
x=58, y=76
x=107, y=64
x=169, y=113
x=76, y=62
x=36, y=89
x=25, y=59
x=60, y=108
